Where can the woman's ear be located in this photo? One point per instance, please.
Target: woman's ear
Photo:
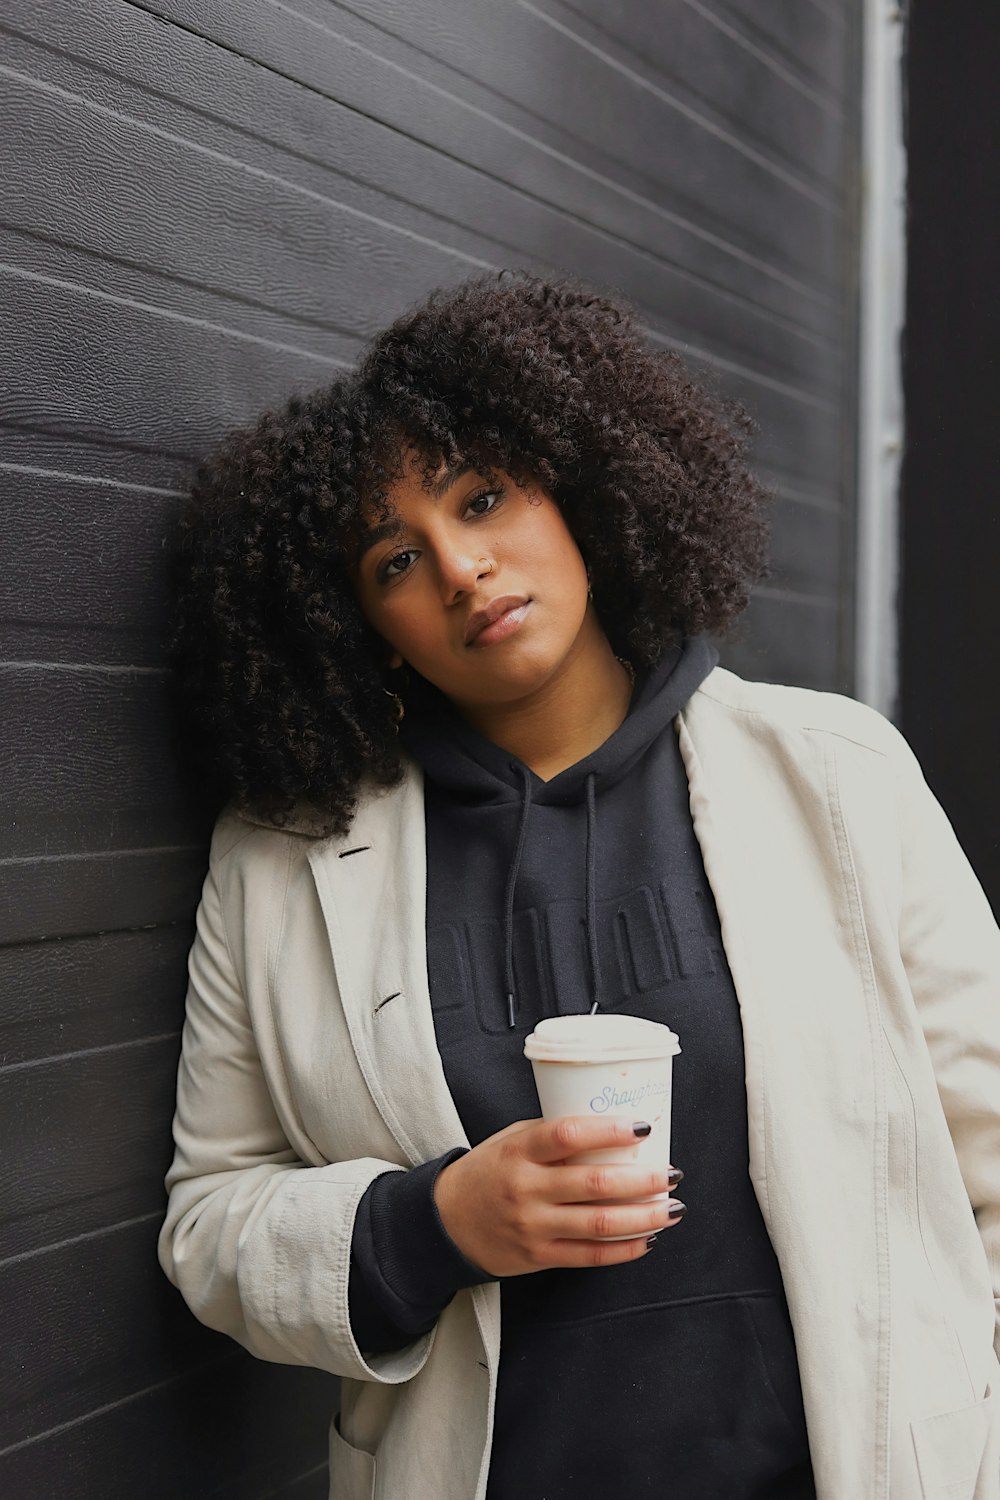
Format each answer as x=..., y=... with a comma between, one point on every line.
x=395, y=660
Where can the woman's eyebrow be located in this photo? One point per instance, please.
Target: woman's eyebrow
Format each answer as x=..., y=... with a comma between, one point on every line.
x=377, y=534
x=451, y=476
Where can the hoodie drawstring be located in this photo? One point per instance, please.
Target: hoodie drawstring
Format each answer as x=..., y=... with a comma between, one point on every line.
x=590, y=917
x=515, y=865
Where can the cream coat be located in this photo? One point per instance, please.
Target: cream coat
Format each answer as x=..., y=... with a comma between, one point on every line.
x=867, y=965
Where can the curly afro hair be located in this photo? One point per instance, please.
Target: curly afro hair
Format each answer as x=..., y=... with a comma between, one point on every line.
x=280, y=677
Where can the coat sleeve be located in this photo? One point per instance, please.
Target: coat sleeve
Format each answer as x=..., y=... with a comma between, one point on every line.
x=950, y=945
x=257, y=1241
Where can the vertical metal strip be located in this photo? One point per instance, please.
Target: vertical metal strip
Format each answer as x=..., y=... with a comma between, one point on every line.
x=880, y=415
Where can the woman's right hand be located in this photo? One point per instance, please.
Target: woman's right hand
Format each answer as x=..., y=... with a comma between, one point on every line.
x=518, y=1202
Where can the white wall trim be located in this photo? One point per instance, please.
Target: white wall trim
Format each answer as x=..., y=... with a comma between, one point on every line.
x=882, y=311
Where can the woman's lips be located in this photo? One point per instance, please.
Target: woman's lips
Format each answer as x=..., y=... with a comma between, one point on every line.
x=507, y=623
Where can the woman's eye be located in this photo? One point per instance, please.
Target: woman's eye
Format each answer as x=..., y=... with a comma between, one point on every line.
x=403, y=559
x=478, y=503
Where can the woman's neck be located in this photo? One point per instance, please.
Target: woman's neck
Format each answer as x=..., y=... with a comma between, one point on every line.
x=569, y=717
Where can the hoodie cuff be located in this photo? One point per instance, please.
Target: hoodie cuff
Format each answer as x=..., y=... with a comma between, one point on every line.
x=405, y=1267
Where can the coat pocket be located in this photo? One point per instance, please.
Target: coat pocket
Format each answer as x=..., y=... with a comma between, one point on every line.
x=950, y=1449
x=352, y=1470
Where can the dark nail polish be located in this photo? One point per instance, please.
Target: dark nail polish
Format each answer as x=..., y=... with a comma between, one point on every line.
x=678, y=1212
x=674, y=1176
x=641, y=1128
x=651, y=1242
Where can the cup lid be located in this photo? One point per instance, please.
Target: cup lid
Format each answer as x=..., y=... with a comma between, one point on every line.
x=599, y=1038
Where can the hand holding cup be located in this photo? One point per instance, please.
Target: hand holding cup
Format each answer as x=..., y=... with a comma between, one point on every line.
x=523, y=1200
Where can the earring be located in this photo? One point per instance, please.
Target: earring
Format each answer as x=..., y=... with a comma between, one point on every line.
x=398, y=704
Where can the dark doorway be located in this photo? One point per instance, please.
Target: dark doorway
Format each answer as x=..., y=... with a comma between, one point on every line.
x=950, y=505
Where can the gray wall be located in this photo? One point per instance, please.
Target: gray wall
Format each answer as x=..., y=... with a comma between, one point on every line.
x=208, y=206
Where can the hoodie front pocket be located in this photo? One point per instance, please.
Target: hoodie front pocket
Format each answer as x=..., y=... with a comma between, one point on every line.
x=950, y=1447
x=771, y=1330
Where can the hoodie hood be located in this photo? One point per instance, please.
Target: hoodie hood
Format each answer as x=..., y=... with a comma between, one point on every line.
x=472, y=771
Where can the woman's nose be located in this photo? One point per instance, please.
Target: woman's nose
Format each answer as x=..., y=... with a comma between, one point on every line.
x=461, y=570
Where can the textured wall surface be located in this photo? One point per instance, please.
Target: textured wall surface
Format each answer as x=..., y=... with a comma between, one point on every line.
x=208, y=204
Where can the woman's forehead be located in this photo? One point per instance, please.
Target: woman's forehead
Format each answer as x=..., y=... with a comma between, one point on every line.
x=420, y=474
x=381, y=517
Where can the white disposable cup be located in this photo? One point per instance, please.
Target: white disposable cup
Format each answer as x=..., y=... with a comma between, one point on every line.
x=608, y=1066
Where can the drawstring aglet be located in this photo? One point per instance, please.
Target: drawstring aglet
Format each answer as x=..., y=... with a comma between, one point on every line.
x=594, y=1008
x=510, y=1011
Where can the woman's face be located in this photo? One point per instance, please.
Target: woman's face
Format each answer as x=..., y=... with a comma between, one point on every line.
x=479, y=585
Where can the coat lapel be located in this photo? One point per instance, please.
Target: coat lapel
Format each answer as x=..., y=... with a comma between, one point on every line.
x=374, y=909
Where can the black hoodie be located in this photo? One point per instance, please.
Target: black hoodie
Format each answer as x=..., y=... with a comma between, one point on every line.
x=675, y=1374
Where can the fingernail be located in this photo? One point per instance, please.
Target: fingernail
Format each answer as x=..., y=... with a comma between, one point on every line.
x=641, y=1128
x=677, y=1212
x=651, y=1241
x=674, y=1176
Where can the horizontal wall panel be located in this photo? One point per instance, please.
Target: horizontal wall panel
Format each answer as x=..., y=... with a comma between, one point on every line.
x=788, y=640
x=95, y=769
x=57, y=998
x=31, y=450
x=84, y=576
x=698, y=313
x=705, y=66
x=87, y=1324
x=811, y=35
x=75, y=362
x=734, y=333
x=112, y=1326
x=57, y=896
x=92, y=398
x=818, y=496
x=423, y=101
x=231, y=1431
x=86, y=268
x=91, y=405
x=796, y=434
x=806, y=549
x=517, y=54
x=58, y=1181
x=318, y=237
x=757, y=335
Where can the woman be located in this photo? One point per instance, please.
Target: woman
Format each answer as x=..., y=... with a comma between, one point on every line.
x=443, y=633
